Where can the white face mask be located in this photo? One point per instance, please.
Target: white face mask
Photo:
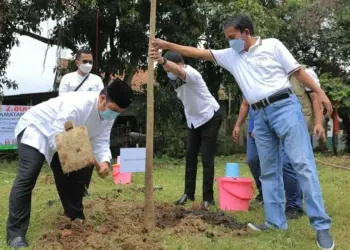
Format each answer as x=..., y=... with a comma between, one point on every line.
x=85, y=68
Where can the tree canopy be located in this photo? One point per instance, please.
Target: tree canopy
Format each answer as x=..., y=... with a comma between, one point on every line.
x=316, y=32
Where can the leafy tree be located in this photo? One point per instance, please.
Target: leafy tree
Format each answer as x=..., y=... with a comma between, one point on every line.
x=338, y=91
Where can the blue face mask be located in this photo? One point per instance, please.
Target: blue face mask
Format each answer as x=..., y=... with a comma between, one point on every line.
x=109, y=115
x=171, y=76
x=237, y=45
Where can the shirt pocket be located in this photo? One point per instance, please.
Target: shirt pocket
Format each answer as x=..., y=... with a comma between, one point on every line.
x=263, y=67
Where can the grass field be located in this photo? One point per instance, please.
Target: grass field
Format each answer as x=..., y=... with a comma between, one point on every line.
x=170, y=175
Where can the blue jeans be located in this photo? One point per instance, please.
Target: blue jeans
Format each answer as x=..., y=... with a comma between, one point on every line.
x=294, y=196
x=283, y=123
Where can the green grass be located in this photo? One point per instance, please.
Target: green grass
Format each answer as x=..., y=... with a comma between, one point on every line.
x=170, y=174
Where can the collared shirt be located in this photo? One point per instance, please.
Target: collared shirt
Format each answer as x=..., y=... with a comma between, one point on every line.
x=309, y=71
x=72, y=80
x=199, y=104
x=314, y=77
x=44, y=121
x=261, y=71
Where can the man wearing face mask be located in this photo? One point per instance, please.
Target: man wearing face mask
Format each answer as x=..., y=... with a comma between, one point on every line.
x=36, y=132
x=82, y=79
x=262, y=68
x=203, y=120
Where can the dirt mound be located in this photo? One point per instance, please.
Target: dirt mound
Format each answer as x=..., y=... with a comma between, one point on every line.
x=113, y=224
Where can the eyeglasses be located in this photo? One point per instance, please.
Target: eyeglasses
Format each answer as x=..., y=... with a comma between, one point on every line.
x=87, y=61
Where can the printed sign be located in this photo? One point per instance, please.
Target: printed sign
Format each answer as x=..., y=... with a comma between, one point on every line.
x=9, y=117
x=132, y=160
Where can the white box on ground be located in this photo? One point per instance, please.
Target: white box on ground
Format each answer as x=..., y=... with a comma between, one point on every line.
x=132, y=160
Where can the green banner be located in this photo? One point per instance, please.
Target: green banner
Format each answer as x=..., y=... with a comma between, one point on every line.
x=8, y=147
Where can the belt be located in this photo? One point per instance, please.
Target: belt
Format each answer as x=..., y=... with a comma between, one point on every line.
x=284, y=94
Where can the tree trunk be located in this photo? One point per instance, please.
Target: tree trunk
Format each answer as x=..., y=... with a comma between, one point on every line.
x=132, y=69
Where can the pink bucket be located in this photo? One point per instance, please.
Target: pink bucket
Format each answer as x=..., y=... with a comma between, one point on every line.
x=235, y=193
x=120, y=178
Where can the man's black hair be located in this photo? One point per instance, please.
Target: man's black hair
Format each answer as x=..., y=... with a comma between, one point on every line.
x=240, y=22
x=82, y=51
x=118, y=92
x=174, y=57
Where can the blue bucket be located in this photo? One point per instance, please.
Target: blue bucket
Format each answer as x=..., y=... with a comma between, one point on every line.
x=232, y=170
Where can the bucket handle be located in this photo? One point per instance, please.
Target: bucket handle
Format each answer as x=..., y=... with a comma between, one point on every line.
x=239, y=196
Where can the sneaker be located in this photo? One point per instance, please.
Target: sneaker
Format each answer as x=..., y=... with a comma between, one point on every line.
x=17, y=242
x=293, y=213
x=257, y=227
x=325, y=240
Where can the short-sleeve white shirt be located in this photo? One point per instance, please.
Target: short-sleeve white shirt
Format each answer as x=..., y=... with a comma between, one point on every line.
x=261, y=71
x=199, y=104
x=71, y=81
x=314, y=77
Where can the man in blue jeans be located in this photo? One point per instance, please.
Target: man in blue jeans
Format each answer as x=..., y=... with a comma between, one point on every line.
x=294, y=205
x=262, y=68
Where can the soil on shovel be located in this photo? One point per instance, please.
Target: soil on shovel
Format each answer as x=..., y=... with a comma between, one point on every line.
x=114, y=224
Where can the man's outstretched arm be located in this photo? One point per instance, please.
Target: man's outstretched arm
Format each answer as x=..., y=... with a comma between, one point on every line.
x=187, y=51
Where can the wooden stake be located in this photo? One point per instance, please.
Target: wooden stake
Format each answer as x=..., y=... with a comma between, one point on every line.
x=149, y=199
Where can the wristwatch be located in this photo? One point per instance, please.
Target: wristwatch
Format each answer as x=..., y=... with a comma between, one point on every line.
x=164, y=61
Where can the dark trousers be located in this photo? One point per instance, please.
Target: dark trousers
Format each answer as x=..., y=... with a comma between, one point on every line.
x=292, y=188
x=87, y=177
x=202, y=138
x=70, y=189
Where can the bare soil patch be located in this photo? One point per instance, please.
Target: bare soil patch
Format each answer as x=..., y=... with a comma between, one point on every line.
x=114, y=224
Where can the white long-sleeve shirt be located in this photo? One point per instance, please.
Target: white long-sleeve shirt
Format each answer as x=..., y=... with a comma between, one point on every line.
x=44, y=121
x=199, y=104
x=72, y=80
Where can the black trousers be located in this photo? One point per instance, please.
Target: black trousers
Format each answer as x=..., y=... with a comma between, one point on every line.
x=202, y=138
x=88, y=171
x=70, y=189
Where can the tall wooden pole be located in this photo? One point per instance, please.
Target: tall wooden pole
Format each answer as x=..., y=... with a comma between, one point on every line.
x=97, y=38
x=149, y=199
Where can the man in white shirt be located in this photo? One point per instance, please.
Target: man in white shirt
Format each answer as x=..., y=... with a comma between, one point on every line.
x=294, y=196
x=262, y=69
x=203, y=121
x=36, y=132
x=81, y=80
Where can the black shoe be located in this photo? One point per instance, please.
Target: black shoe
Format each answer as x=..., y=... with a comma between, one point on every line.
x=207, y=204
x=294, y=213
x=86, y=193
x=258, y=199
x=300, y=211
x=17, y=242
x=183, y=199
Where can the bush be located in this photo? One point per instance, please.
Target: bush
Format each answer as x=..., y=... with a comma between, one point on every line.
x=226, y=146
x=169, y=121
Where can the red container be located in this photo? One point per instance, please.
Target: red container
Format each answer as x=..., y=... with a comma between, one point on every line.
x=235, y=193
x=120, y=178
